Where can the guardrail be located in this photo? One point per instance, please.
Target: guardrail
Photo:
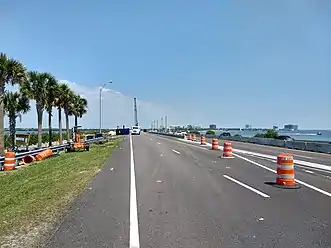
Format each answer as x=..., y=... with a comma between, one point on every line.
x=297, y=145
x=55, y=149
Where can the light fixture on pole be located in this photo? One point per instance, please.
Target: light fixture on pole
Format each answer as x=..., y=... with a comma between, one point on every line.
x=101, y=88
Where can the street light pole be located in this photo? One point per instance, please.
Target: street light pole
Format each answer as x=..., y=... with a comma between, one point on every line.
x=101, y=88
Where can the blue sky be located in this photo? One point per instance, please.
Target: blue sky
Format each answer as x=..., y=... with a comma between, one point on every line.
x=198, y=62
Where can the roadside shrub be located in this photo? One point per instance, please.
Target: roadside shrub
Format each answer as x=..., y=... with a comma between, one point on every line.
x=271, y=134
x=211, y=132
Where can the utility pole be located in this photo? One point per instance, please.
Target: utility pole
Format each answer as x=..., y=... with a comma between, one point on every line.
x=166, y=123
x=135, y=112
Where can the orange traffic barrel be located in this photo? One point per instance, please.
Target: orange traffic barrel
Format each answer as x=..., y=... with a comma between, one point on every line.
x=203, y=140
x=10, y=161
x=28, y=159
x=285, y=170
x=194, y=137
x=44, y=154
x=227, y=150
x=214, y=144
x=189, y=137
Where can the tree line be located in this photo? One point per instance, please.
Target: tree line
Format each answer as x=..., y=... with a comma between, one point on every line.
x=42, y=87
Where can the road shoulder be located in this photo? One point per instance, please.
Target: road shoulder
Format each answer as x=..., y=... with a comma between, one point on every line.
x=101, y=212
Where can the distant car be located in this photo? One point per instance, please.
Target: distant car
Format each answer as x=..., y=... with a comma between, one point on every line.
x=285, y=138
x=135, y=130
x=227, y=134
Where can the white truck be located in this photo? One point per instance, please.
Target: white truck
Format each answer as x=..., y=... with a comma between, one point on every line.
x=135, y=130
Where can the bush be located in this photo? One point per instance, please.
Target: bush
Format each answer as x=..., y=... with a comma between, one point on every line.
x=211, y=132
x=34, y=138
x=270, y=134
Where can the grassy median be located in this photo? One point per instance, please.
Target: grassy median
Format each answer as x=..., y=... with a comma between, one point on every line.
x=32, y=198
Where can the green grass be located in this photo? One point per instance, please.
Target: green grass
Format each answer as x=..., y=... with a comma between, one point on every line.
x=39, y=193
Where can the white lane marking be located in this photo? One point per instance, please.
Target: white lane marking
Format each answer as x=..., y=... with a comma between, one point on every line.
x=260, y=165
x=314, y=188
x=178, y=141
x=176, y=151
x=134, y=229
x=297, y=180
x=296, y=165
x=308, y=171
x=304, y=167
x=301, y=156
x=247, y=187
x=158, y=143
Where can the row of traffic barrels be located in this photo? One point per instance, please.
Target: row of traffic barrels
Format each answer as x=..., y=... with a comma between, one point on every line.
x=227, y=146
x=10, y=161
x=285, y=162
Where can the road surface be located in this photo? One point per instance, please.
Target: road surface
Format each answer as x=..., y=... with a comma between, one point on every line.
x=177, y=194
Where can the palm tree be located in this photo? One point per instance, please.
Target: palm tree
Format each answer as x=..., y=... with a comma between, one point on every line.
x=52, y=89
x=13, y=72
x=78, y=108
x=15, y=104
x=64, y=100
x=36, y=89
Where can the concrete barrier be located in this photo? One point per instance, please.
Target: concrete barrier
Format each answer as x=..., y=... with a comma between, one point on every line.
x=298, y=145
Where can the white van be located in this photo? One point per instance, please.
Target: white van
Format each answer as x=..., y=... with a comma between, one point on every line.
x=135, y=130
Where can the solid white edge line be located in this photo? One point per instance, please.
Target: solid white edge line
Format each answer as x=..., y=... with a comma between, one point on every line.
x=297, y=180
x=247, y=187
x=176, y=151
x=313, y=187
x=134, y=229
x=295, y=165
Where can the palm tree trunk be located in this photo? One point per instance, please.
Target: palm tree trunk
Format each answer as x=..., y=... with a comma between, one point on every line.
x=76, y=124
x=12, y=129
x=2, y=129
x=40, y=123
x=50, y=127
x=60, y=125
x=76, y=120
x=67, y=126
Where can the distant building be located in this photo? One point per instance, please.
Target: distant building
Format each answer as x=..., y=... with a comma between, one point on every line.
x=212, y=126
x=291, y=127
x=248, y=126
x=275, y=127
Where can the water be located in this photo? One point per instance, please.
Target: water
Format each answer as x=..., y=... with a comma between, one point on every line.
x=297, y=135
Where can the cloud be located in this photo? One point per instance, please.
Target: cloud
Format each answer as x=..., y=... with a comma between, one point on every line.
x=116, y=108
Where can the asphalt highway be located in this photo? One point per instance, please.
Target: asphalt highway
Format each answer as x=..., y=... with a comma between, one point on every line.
x=161, y=192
